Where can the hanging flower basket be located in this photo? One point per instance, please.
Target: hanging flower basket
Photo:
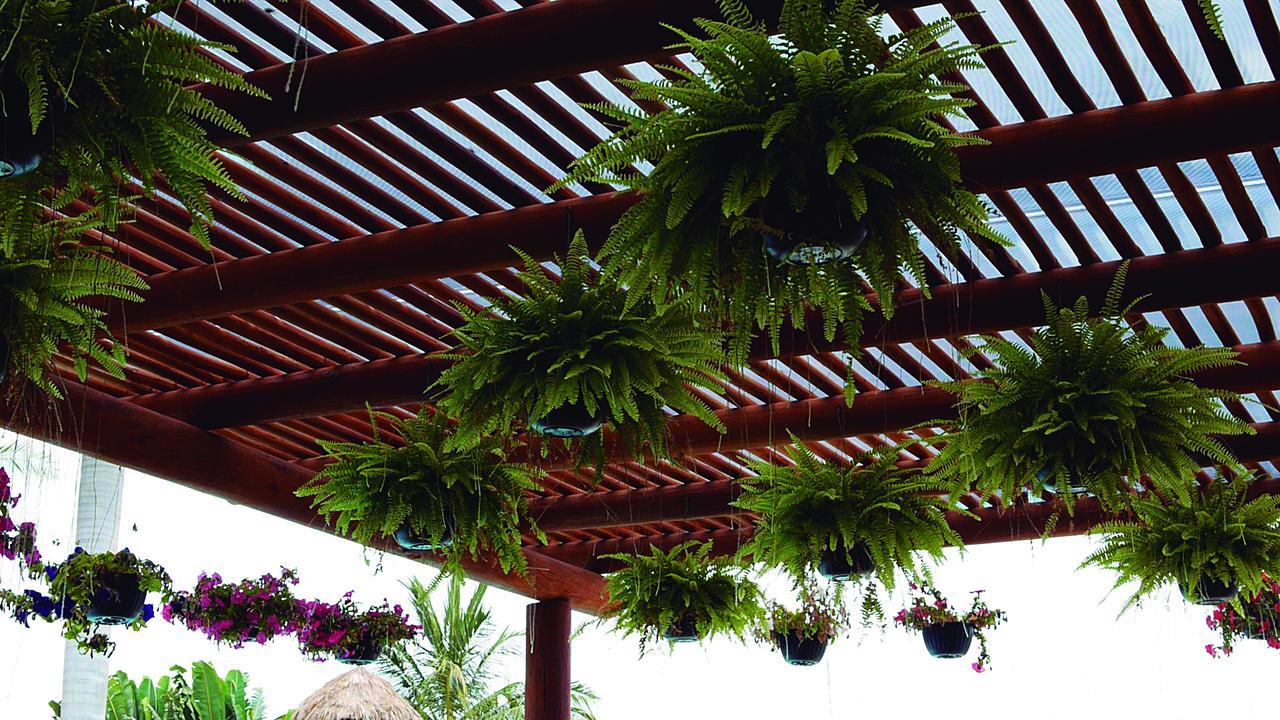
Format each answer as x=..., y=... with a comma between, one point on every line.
x=571, y=420
x=948, y=634
x=408, y=539
x=842, y=564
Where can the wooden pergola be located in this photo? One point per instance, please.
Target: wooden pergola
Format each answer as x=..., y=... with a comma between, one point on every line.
x=405, y=152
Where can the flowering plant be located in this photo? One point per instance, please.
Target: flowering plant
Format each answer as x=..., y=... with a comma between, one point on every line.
x=80, y=581
x=17, y=541
x=1256, y=618
x=821, y=615
x=928, y=607
x=252, y=610
x=332, y=629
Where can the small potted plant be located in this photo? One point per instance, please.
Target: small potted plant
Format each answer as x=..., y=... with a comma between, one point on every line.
x=1212, y=543
x=104, y=589
x=681, y=596
x=343, y=632
x=1092, y=406
x=948, y=634
x=1255, y=617
x=799, y=161
x=426, y=493
x=574, y=353
x=844, y=521
x=252, y=610
x=802, y=635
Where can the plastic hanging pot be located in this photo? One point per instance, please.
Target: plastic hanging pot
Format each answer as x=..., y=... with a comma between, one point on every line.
x=406, y=538
x=800, y=650
x=1209, y=591
x=1050, y=484
x=842, y=565
x=948, y=640
x=683, y=630
x=568, y=421
x=117, y=599
x=21, y=150
x=4, y=358
x=365, y=652
x=825, y=232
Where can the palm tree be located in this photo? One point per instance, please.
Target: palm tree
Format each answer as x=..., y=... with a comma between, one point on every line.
x=448, y=672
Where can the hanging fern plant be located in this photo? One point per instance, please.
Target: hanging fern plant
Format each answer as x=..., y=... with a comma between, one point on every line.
x=1091, y=405
x=826, y=142
x=683, y=595
x=1212, y=543
x=95, y=92
x=46, y=278
x=577, y=345
x=460, y=502
x=820, y=516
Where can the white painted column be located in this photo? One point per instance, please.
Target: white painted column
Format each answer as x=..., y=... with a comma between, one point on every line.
x=84, y=679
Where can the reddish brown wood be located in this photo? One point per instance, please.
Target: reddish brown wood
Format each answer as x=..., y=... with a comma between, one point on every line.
x=132, y=436
x=551, y=40
x=694, y=501
x=1171, y=280
x=547, y=670
x=1026, y=521
x=1073, y=146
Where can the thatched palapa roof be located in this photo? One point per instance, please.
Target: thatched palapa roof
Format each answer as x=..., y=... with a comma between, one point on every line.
x=356, y=695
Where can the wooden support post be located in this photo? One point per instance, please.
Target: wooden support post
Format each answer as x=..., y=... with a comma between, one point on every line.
x=546, y=660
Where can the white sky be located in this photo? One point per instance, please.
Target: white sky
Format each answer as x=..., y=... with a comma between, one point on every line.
x=1062, y=653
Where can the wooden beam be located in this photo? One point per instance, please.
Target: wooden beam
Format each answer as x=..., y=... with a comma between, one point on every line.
x=1020, y=522
x=1071, y=146
x=126, y=434
x=699, y=501
x=1166, y=281
x=547, y=669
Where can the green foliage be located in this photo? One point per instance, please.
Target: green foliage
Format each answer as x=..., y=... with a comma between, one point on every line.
x=46, y=278
x=821, y=614
x=580, y=340
x=373, y=488
x=205, y=696
x=808, y=132
x=812, y=506
x=448, y=671
x=114, y=89
x=1213, y=16
x=655, y=591
x=1217, y=533
x=1093, y=404
x=80, y=578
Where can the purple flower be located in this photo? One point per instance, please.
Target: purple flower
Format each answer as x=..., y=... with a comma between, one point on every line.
x=148, y=612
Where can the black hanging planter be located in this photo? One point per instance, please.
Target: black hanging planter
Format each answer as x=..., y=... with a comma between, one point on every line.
x=1210, y=591
x=800, y=650
x=117, y=599
x=4, y=358
x=825, y=232
x=568, y=421
x=365, y=652
x=21, y=151
x=1047, y=481
x=948, y=640
x=683, y=630
x=406, y=538
x=842, y=565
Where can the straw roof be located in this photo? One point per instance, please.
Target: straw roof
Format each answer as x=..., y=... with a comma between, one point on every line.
x=356, y=695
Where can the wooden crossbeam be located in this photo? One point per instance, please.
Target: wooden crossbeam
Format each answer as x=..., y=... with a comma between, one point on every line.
x=695, y=501
x=1166, y=281
x=1073, y=146
x=1020, y=522
x=126, y=434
